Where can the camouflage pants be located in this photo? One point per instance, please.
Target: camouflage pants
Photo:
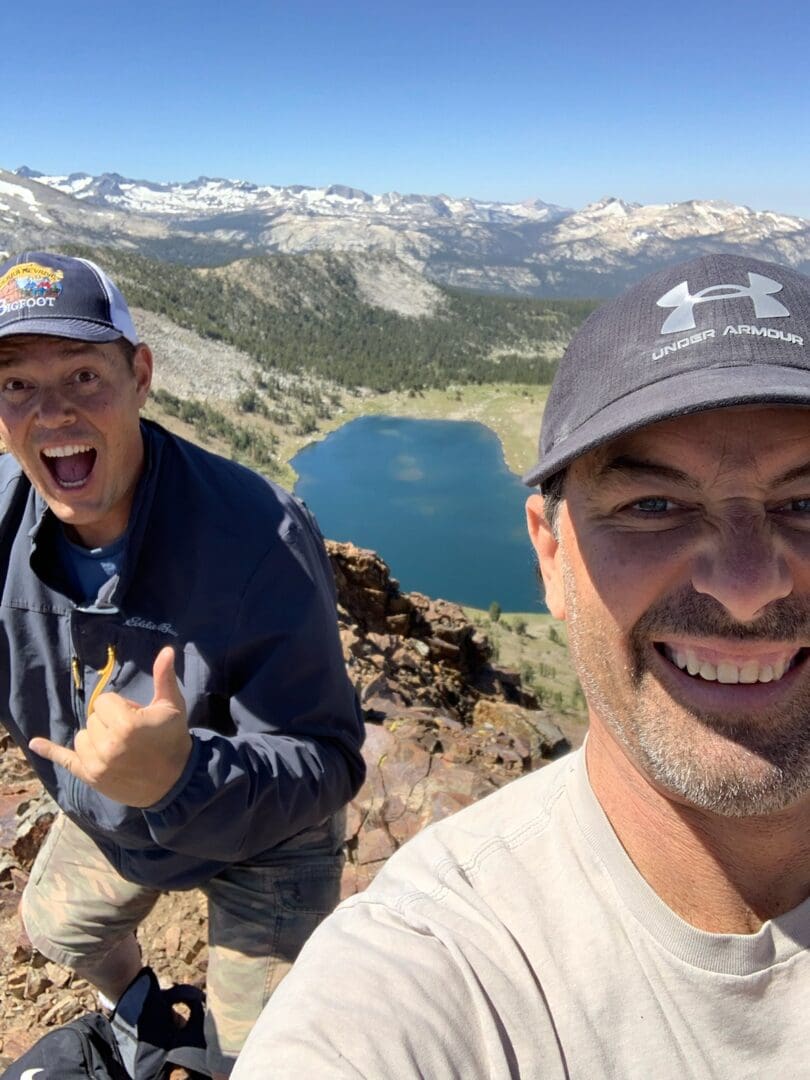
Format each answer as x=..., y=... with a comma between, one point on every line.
x=76, y=908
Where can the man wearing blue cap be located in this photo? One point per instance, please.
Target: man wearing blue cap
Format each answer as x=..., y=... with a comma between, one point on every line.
x=170, y=661
x=639, y=908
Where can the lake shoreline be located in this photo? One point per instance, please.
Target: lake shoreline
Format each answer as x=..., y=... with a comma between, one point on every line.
x=512, y=411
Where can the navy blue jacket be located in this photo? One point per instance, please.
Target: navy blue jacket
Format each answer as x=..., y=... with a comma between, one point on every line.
x=231, y=571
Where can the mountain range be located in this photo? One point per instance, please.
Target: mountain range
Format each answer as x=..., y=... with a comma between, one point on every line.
x=529, y=248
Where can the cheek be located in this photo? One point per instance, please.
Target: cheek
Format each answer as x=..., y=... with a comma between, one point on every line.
x=622, y=575
x=10, y=436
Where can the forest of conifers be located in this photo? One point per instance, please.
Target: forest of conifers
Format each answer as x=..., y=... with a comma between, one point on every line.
x=299, y=313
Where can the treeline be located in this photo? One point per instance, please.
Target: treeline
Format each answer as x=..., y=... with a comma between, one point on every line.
x=250, y=447
x=289, y=403
x=303, y=313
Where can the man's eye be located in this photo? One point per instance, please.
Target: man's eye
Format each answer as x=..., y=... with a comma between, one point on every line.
x=13, y=385
x=797, y=506
x=652, y=505
x=85, y=376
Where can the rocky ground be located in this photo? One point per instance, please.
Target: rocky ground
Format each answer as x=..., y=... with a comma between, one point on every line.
x=444, y=727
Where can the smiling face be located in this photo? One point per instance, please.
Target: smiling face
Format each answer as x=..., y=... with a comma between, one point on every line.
x=683, y=570
x=69, y=413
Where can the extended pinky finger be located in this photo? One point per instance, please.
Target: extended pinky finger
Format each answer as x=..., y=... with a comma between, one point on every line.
x=59, y=755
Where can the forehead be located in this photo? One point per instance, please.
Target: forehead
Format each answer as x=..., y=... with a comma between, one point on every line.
x=20, y=348
x=758, y=438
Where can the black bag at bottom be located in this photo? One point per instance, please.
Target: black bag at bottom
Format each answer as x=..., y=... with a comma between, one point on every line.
x=140, y=1041
x=85, y=1048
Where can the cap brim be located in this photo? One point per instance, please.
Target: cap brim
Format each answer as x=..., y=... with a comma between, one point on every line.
x=679, y=395
x=77, y=329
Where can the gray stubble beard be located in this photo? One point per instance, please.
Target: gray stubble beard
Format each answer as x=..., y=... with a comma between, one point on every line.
x=761, y=769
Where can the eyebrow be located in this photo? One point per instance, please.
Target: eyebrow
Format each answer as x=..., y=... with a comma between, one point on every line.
x=624, y=467
x=800, y=472
x=66, y=351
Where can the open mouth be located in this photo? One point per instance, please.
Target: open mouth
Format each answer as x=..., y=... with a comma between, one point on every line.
x=710, y=665
x=70, y=466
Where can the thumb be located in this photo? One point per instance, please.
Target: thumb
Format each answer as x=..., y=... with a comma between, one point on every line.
x=166, y=686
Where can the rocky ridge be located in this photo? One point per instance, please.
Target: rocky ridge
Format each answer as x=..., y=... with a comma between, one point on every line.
x=528, y=248
x=444, y=727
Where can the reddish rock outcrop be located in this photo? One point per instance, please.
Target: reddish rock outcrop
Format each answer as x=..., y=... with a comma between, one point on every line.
x=444, y=726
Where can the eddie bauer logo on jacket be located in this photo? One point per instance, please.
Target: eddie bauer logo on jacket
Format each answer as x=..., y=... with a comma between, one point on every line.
x=760, y=292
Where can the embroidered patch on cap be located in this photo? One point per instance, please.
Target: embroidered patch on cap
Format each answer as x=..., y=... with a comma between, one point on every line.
x=29, y=285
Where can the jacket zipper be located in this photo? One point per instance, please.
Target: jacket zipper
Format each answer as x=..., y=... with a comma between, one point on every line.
x=104, y=676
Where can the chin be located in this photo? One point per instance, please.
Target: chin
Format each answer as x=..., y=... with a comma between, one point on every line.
x=744, y=770
x=740, y=793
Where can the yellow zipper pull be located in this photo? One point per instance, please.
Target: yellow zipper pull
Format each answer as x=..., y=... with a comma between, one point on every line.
x=77, y=675
x=103, y=677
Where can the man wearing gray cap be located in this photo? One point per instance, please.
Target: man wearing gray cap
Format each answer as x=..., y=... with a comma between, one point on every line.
x=169, y=663
x=639, y=908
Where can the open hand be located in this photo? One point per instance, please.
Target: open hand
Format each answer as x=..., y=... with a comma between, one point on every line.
x=133, y=754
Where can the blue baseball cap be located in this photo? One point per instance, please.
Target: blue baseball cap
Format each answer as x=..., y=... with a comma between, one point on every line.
x=41, y=293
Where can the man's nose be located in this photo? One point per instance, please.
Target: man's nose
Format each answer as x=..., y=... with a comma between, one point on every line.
x=744, y=567
x=54, y=409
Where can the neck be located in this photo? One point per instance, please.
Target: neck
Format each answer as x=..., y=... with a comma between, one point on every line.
x=720, y=874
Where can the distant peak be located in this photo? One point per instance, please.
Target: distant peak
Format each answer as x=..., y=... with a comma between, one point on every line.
x=344, y=192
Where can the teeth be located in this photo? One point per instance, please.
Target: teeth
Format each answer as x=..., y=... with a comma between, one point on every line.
x=749, y=672
x=65, y=451
x=726, y=671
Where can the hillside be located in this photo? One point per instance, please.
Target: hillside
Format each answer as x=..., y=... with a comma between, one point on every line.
x=367, y=321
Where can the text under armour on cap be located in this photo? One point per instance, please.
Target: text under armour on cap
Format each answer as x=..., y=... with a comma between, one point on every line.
x=42, y=293
x=720, y=330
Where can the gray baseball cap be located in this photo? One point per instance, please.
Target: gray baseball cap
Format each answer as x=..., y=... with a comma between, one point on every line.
x=717, y=331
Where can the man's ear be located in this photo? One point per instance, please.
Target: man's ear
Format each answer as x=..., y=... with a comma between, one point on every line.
x=548, y=554
x=142, y=364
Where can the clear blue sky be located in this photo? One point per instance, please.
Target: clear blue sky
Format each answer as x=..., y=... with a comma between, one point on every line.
x=506, y=100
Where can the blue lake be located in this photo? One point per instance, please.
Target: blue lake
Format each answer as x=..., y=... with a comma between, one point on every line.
x=434, y=498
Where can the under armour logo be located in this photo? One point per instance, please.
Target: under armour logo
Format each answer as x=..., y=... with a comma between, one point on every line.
x=760, y=291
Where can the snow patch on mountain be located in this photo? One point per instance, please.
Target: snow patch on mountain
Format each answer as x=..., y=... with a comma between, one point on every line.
x=17, y=191
x=220, y=196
